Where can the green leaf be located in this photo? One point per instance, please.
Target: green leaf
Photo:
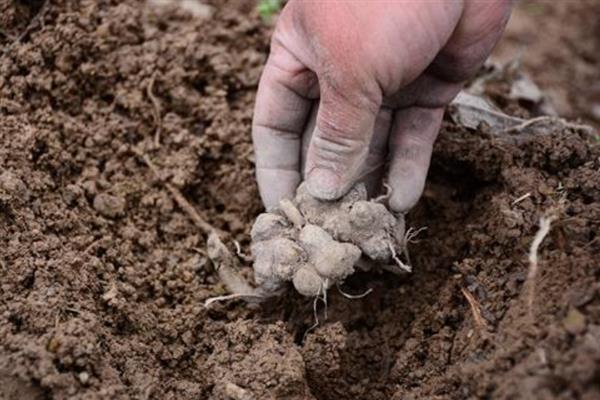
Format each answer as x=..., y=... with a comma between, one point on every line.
x=268, y=8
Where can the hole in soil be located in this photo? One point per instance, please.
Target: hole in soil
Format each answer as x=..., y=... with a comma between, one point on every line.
x=17, y=321
x=366, y=338
x=39, y=149
x=29, y=280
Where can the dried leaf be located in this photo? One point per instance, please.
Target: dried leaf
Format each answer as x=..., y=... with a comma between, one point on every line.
x=471, y=111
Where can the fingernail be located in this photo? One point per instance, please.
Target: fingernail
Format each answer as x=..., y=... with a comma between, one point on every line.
x=324, y=184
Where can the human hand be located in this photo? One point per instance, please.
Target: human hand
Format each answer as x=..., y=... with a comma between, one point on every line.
x=380, y=74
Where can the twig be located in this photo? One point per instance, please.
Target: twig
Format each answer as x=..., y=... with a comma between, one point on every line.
x=545, y=225
x=157, y=109
x=17, y=39
x=520, y=199
x=181, y=201
x=8, y=35
x=41, y=12
x=475, y=309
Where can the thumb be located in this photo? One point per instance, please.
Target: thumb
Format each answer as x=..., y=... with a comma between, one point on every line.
x=340, y=142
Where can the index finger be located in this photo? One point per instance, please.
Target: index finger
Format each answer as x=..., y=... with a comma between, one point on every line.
x=280, y=114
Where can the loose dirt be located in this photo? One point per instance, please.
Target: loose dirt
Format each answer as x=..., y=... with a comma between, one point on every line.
x=103, y=276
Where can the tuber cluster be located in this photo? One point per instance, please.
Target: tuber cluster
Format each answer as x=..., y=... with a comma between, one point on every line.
x=315, y=244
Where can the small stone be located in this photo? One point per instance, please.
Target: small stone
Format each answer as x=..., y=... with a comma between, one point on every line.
x=53, y=344
x=574, y=322
x=84, y=377
x=109, y=206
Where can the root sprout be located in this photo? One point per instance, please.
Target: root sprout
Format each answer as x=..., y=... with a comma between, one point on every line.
x=545, y=225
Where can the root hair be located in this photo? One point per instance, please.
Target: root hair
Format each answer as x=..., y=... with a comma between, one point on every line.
x=402, y=265
x=352, y=296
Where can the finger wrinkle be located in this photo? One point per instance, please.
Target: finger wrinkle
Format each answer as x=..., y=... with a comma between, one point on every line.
x=336, y=144
x=275, y=131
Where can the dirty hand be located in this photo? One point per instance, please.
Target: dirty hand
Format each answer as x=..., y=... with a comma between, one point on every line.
x=380, y=74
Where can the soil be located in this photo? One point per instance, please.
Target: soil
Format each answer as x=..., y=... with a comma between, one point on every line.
x=557, y=43
x=103, y=276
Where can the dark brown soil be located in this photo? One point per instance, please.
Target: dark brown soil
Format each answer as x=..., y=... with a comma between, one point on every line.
x=103, y=276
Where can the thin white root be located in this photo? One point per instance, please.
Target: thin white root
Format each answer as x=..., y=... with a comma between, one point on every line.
x=315, y=309
x=212, y=300
x=545, y=225
x=520, y=199
x=398, y=261
x=324, y=290
x=384, y=197
x=352, y=296
x=316, y=315
x=411, y=234
x=240, y=253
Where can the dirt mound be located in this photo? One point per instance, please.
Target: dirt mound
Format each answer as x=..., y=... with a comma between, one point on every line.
x=103, y=276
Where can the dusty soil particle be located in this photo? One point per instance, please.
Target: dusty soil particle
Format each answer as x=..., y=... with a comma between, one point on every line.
x=109, y=206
